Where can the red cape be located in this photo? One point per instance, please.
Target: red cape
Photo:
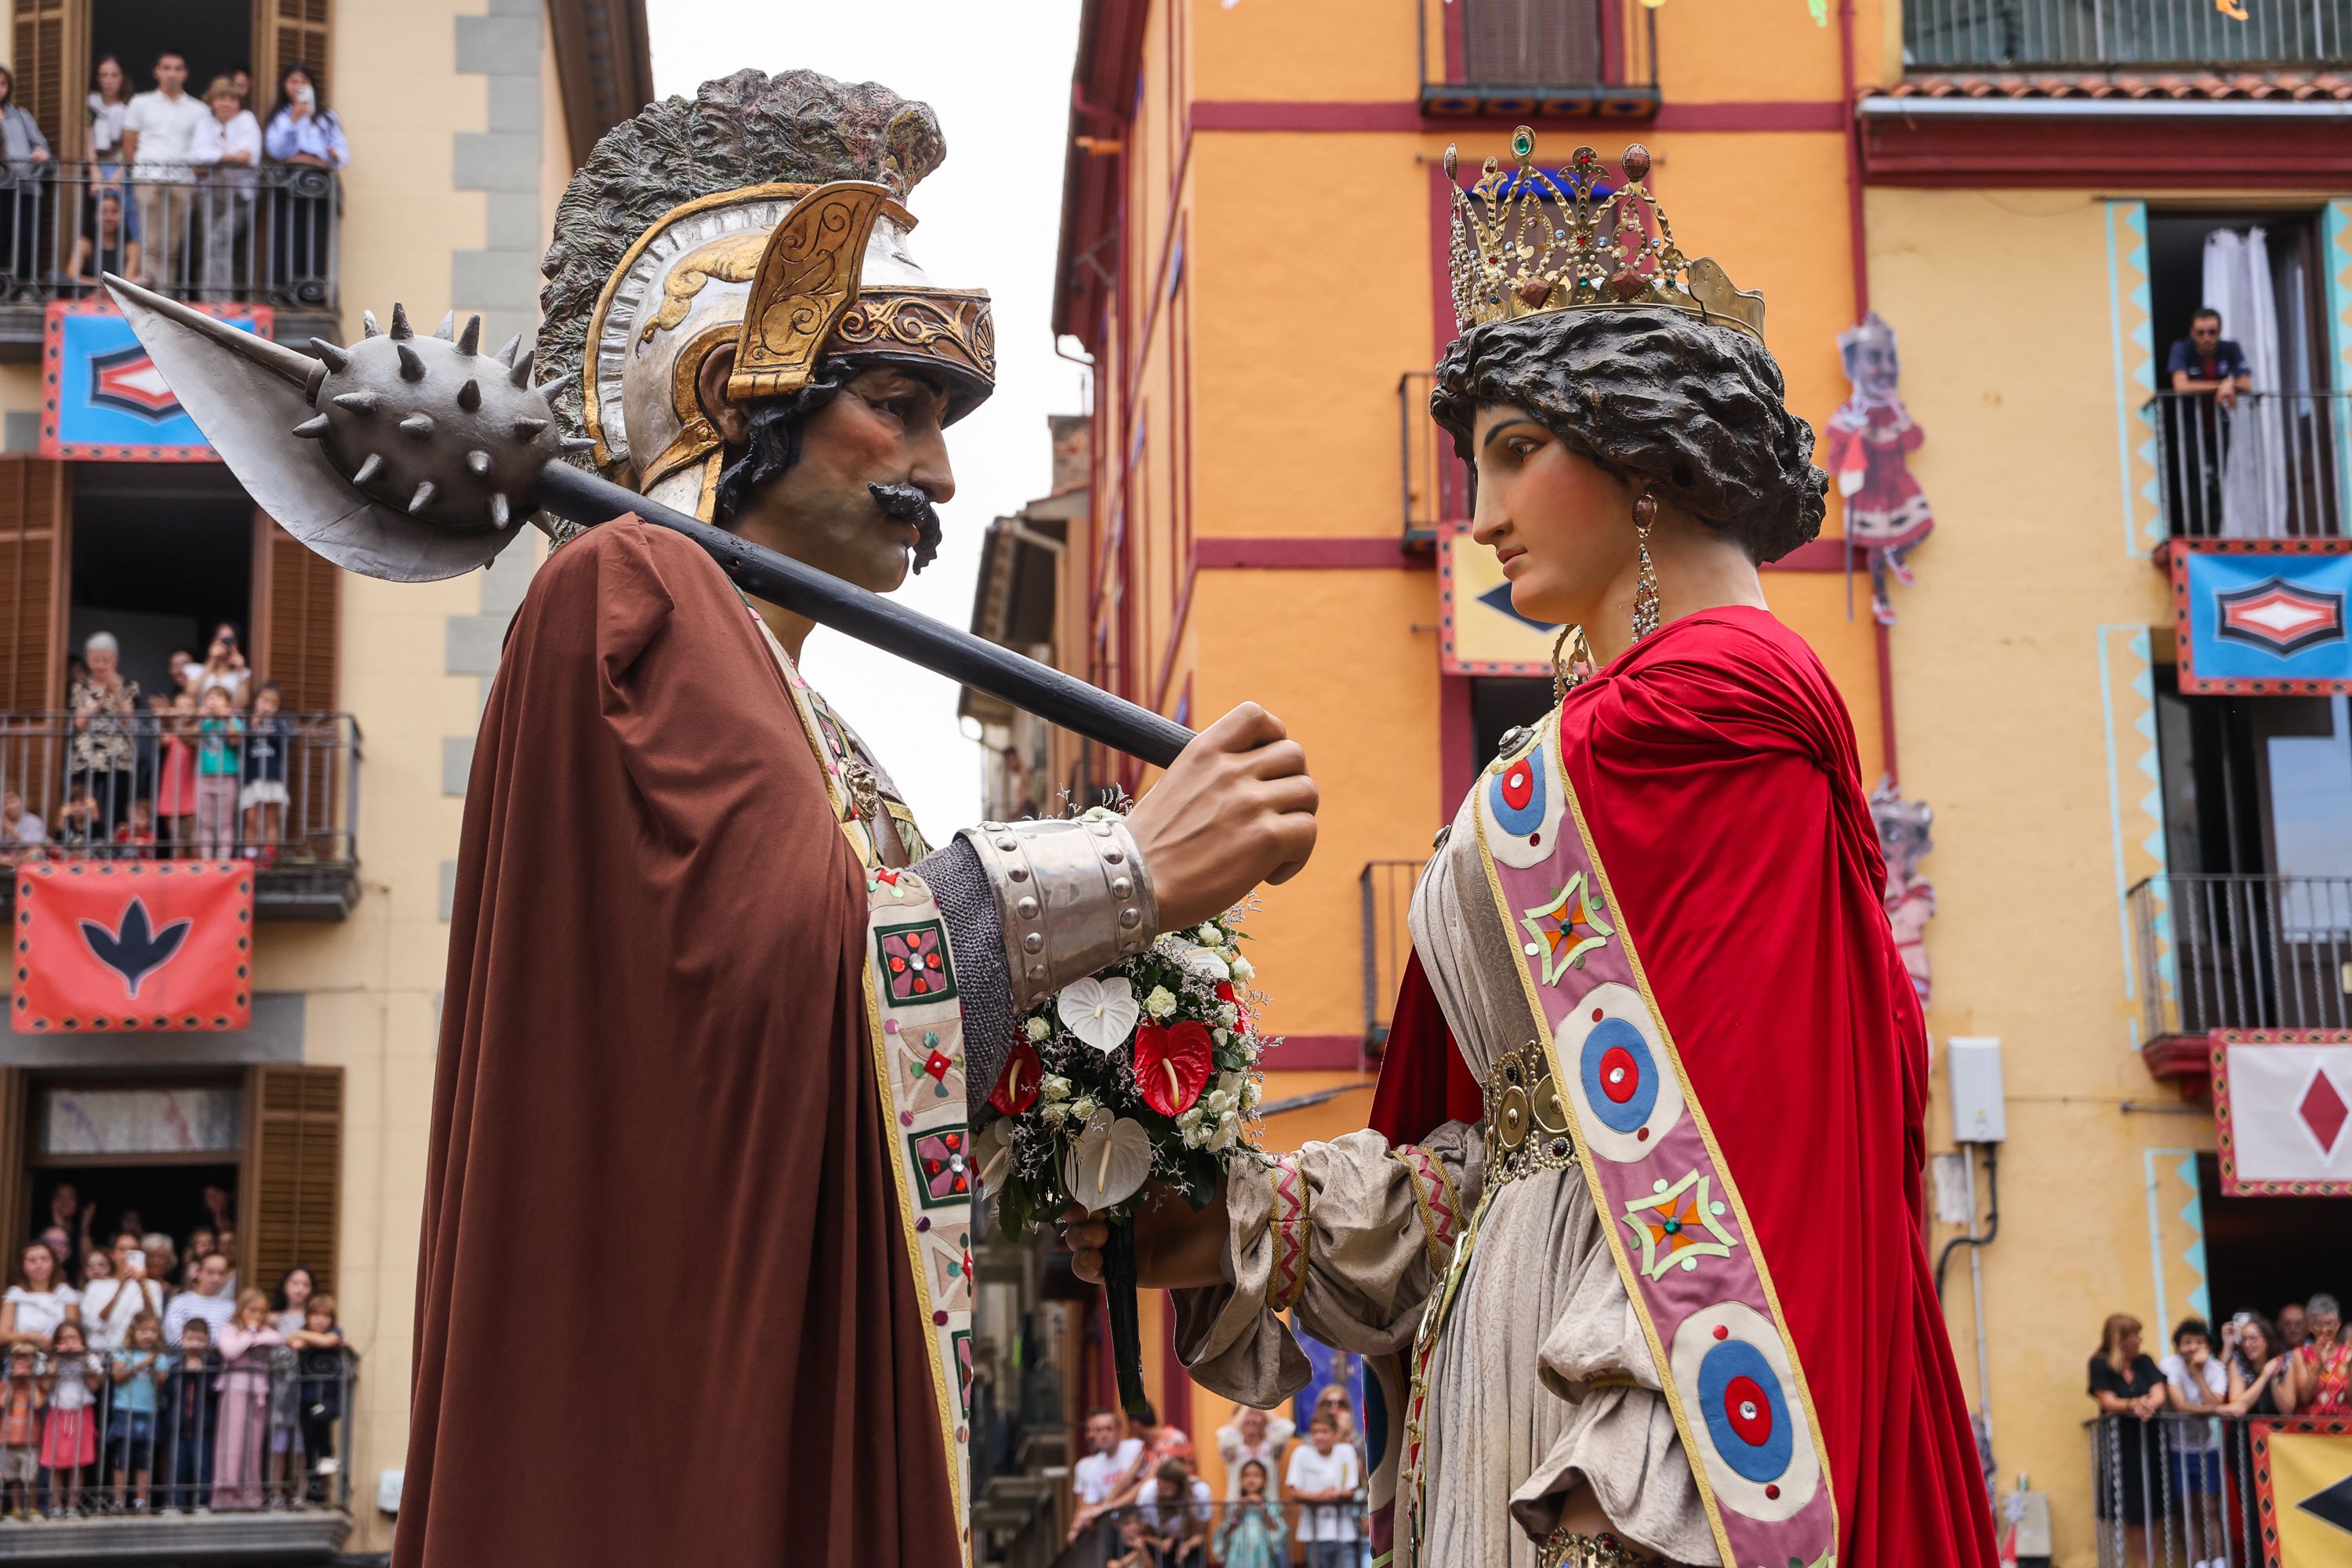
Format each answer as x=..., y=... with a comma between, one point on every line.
x=1717, y=768
x=664, y=1312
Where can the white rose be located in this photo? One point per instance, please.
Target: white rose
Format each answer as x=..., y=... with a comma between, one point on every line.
x=1216, y=1102
x=1037, y=1029
x=1161, y=1003
x=1212, y=937
x=1243, y=970
x=1190, y=1118
x=1228, y=1014
x=1223, y=1037
x=1083, y=1107
x=1052, y=1113
x=1054, y=1087
x=1229, y=1131
x=1251, y=1092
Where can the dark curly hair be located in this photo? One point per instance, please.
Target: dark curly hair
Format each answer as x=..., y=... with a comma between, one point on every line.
x=1657, y=393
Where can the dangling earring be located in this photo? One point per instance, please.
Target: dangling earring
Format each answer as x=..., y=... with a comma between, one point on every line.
x=1645, y=589
x=1569, y=674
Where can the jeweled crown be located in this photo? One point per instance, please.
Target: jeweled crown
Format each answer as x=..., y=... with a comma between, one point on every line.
x=1527, y=242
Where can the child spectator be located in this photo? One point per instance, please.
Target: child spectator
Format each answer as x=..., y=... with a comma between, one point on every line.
x=78, y=832
x=1322, y=1473
x=1253, y=1534
x=175, y=782
x=22, y=833
x=323, y=1365
x=190, y=1420
x=268, y=735
x=246, y=1342
x=219, y=766
x=201, y=1242
x=69, y=1438
x=21, y=1403
x=135, y=839
x=136, y=1370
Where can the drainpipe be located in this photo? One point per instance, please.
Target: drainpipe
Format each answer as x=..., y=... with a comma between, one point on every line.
x=1860, y=249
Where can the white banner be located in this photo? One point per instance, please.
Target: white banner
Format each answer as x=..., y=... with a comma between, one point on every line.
x=2290, y=1111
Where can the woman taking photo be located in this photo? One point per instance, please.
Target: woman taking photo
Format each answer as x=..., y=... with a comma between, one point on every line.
x=1640, y=1197
x=305, y=134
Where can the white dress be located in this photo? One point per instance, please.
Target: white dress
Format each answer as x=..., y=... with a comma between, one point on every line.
x=1542, y=1383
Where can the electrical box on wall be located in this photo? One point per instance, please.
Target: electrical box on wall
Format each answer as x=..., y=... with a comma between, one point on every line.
x=1974, y=1078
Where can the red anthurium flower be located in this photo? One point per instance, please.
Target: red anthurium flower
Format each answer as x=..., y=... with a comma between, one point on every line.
x=1173, y=1065
x=1016, y=1086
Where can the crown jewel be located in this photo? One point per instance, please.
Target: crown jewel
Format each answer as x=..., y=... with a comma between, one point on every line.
x=1527, y=242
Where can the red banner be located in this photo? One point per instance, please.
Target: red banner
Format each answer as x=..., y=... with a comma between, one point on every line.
x=104, y=946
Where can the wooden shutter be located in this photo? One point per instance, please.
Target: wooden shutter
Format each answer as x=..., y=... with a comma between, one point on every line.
x=292, y=1204
x=297, y=623
x=35, y=530
x=295, y=30
x=40, y=64
x=16, y=1194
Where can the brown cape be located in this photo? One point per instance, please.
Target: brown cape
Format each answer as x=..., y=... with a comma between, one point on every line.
x=664, y=1310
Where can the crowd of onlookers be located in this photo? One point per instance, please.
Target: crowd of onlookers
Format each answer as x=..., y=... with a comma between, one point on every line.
x=196, y=772
x=2192, y=1470
x=145, y=1374
x=174, y=183
x=1139, y=1491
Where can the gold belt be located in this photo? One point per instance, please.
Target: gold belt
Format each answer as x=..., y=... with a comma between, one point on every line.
x=1527, y=1126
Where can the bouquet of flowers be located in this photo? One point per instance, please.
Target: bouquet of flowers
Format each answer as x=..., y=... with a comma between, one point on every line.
x=1145, y=1071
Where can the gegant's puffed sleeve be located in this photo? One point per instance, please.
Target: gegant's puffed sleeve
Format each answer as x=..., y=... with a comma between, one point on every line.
x=1350, y=1236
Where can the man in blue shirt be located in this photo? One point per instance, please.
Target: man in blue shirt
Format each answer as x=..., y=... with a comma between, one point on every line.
x=2206, y=362
x=2208, y=372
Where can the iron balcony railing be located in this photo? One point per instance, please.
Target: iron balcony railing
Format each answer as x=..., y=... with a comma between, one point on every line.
x=1386, y=893
x=2174, y=1490
x=121, y=787
x=220, y=234
x=1435, y=483
x=2099, y=35
x=2224, y=951
x=1531, y=59
x=2269, y=466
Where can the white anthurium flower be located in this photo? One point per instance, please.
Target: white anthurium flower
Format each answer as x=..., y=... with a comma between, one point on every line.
x=994, y=1147
x=1110, y=1161
x=1102, y=1013
x=1208, y=965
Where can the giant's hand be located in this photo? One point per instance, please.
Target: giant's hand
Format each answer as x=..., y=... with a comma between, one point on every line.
x=1235, y=810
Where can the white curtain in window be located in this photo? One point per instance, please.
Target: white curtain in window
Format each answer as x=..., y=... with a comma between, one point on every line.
x=2253, y=477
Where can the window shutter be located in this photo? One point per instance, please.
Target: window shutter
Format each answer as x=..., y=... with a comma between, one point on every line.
x=16, y=1194
x=295, y=619
x=292, y=1201
x=41, y=54
x=35, y=513
x=298, y=33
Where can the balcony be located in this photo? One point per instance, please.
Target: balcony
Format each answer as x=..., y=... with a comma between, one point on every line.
x=1436, y=483
x=305, y=854
x=2270, y=468
x=1530, y=59
x=2100, y=35
x=202, y=236
x=1386, y=890
x=2238, y=951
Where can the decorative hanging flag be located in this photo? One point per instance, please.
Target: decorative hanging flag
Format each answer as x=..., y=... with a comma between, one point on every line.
x=106, y=946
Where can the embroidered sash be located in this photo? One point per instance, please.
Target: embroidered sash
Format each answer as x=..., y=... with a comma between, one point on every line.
x=1681, y=1239
x=917, y=1026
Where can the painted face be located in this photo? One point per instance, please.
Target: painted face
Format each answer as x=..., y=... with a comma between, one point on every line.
x=1560, y=523
x=882, y=428
x=1875, y=371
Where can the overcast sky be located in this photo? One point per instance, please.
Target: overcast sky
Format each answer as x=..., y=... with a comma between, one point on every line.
x=987, y=218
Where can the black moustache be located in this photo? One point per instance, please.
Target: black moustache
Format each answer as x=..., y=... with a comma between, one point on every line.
x=908, y=503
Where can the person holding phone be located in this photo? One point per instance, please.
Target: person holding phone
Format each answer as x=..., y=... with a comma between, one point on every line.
x=305, y=134
x=223, y=668
x=109, y=1306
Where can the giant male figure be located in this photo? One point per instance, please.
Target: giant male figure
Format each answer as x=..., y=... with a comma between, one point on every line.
x=695, y=1278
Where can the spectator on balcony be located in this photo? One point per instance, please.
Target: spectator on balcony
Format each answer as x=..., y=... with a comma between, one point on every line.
x=159, y=130
x=69, y=1215
x=2196, y=1383
x=268, y=736
x=137, y=1370
x=207, y=1302
x=1252, y=1434
x=2323, y=1367
x=1322, y=1476
x=322, y=1363
x=181, y=661
x=105, y=711
x=78, y=829
x=105, y=243
x=22, y=833
x=2295, y=1329
x=176, y=810
x=1253, y=1534
x=1108, y=1474
x=2207, y=364
x=2130, y=1390
x=70, y=1435
x=228, y=149
x=220, y=770
x=162, y=1259
x=2258, y=1374
x=135, y=839
x=39, y=1301
x=246, y=1341
x=1176, y=1508
x=110, y=1305
x=1161, y=1441
x=21, y=1403
x=109, y=101
x=1136, y=1548
x=191, y=1423
x=27, y=154
x=202, y=1241
x=304, y=133
x=223, y=668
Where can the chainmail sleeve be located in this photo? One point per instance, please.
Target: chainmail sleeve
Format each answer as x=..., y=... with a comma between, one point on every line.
x=984, y=978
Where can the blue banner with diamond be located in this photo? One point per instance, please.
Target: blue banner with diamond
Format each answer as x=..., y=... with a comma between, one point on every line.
x=103, y=399
x=2258, y=617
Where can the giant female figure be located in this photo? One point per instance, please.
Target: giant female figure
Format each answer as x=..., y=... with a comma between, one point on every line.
x=1633, y=1241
